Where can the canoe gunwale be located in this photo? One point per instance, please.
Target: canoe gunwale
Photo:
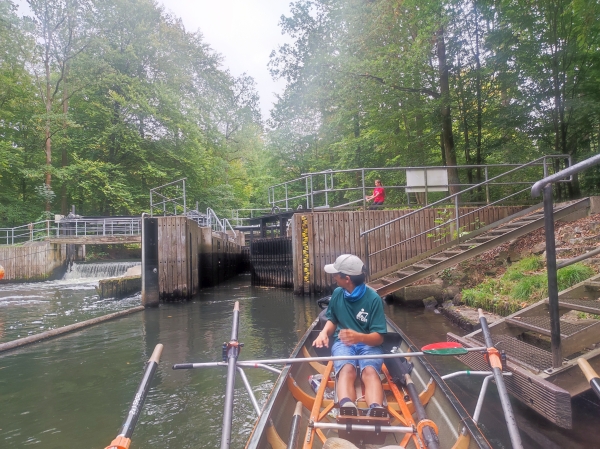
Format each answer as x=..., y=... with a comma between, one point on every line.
x=466, y=419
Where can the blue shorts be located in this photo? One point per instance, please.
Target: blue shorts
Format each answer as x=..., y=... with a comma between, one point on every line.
x=340, y=348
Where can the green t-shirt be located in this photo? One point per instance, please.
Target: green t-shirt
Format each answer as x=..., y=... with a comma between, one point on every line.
x=364, y=315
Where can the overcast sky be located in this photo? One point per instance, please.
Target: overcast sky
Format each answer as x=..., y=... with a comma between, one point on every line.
x=244, y=32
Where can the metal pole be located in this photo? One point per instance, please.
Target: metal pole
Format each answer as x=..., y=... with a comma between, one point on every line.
x=426, y=187
x=232, y=355
x=509, y=416
x=184, y=203
x=326, y=196
x=477, y=411
x=312, y=195
x=552, y=277
x=307, y=200
x=364, y=192
x=287, y=206
x=252, y=363
x=151, y=204
x=457, y=218
x=487, y=187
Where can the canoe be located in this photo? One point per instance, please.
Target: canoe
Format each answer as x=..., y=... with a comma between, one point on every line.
x=454, y=427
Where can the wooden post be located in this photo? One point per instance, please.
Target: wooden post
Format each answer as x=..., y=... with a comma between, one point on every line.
x=150, y=293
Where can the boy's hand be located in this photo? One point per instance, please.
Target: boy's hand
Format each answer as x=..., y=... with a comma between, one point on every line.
x=349, y=337
x=321, y=341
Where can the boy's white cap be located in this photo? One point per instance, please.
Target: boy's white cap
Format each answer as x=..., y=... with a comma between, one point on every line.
x=347, y=264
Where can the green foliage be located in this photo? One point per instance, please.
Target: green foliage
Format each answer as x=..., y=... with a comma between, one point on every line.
x=518, y=270
x=523, y=283
x=573, y=274
x=136, y=101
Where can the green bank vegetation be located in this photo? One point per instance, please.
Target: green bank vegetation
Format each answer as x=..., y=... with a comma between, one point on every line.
x=524, y=283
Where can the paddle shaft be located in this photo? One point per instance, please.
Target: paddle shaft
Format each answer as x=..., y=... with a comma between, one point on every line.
x=232, y=355
x=509, y=416
x=124, y=436
x=429, y=435
x=590, y=375
x=295, y=427
x=311, y=359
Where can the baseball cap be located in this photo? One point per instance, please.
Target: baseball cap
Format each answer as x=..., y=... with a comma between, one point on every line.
x=347, y=264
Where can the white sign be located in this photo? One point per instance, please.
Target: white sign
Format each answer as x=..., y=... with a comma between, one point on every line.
x=436, y=180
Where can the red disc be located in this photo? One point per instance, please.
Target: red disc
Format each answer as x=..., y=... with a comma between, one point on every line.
x=1, y=272
x=441, y=345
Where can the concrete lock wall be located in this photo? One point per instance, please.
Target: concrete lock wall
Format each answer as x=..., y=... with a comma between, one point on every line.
x=38, y=261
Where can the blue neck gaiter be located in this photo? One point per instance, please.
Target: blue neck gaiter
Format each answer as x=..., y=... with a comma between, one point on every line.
x=356, y=294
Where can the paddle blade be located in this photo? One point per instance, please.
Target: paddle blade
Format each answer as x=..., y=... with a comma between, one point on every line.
x=444, y=348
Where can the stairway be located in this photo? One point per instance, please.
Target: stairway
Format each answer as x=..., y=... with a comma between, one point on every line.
x=473, y=245
x=525, y=335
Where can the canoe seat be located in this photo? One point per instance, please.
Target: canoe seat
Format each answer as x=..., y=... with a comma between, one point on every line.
x=338, y=443
x=361, y=437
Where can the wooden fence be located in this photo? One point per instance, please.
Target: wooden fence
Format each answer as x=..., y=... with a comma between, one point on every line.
x=319, y=237
x=35, y=262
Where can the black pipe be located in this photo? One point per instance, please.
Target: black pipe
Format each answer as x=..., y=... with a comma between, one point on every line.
x=232, y=355
x=429, y=435
x=295, y=429
x=552, y=278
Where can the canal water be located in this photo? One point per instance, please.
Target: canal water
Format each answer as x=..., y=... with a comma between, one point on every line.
x=74, y=391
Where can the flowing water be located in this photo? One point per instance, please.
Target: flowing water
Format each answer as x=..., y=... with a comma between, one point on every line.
x=74, y=391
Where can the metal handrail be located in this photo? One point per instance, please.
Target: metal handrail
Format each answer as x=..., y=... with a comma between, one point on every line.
x=42, y=230
x=450, y=198
x=537, y=188
x=545, y=186
x=223, y=223
x=305, y=188
x=166, y=200
x=453, y=196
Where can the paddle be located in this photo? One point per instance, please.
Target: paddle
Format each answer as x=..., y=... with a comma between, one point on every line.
x=444, y=348
x=232, y=351
x=496, y=364
x=123, y=440
x=404, y=367
x=590, y=374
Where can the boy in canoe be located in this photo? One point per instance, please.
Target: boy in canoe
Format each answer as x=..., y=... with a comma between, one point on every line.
x=356, y=321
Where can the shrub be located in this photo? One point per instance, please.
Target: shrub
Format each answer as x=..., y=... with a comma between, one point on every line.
x=573, y=274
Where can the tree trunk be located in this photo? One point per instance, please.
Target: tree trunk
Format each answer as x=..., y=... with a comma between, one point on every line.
x=447, y=136
x=47, y=131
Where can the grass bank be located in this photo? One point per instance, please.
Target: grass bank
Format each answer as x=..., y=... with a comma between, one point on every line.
x=524, y=282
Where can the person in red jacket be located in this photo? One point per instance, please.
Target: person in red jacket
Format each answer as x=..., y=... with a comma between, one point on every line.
x=378, y=196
